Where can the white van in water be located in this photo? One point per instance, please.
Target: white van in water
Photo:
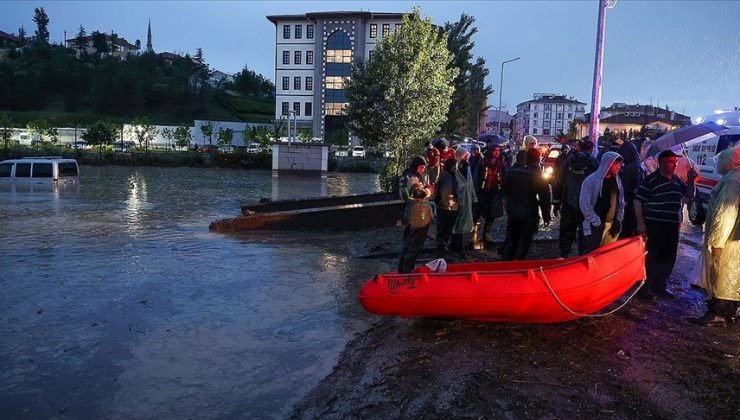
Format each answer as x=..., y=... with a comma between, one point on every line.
x=48, y=170
x=704, y=153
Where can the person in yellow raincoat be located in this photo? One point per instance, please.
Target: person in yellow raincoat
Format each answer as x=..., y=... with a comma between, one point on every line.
x=720, y=274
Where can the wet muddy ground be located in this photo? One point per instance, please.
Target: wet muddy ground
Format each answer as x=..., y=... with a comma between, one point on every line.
x=645, y=361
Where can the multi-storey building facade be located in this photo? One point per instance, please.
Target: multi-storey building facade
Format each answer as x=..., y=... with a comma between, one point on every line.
x=313, y=55
x=547, y=116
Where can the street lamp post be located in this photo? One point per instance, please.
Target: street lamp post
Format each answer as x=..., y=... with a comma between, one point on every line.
x=596, y=91
x=500, y=91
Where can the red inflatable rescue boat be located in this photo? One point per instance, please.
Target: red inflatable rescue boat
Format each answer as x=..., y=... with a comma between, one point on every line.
x=533, y=291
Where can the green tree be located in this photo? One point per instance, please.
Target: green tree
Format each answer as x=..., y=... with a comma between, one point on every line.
x=305, y=134
x=101, y=133
x=168, y=134
x=200, y=64
x=6, y=128
x=471, y=91
x=80, y=42
x=38, y=127
x=225, y=137
x=400, y=97
x=208, y=130
x=21, y=36
x=263, y=136
x=183, y=136
x=42, y=25
x=144, y=132
x=53, y=134
x=100, y=43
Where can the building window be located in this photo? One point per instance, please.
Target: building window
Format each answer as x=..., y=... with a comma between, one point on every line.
x=560, y=115
x=309, y=31
x=334, y=108
x=286, y=57
x=398, y=27
x=297, y=108
x=570, y=115
x=308, y=107
x=297, y=58
x=547, y=123
x=285, y=108
x=546, y=131
x=286, y=31
x=547, y=107
x=570, y=107
x=386, y=29
x=535, y=115
x=339, y=56
x=297, y=83
x=534, y=131
x=370, y=55
x=286, y=83
x=309, y=83
x=335, y=82
x=547, y=115
x=534, y=122
x=309, y=57
x=373, y=30
x=298, y=32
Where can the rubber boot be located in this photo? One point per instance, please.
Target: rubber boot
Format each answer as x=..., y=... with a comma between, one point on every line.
x=477, y=238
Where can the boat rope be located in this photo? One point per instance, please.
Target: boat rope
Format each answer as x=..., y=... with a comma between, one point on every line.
x=552, y=291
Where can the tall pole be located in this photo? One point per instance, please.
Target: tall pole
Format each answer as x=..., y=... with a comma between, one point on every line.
x=596, y=92
x=500, y=91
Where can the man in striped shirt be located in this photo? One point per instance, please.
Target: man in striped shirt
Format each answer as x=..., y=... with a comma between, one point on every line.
x=658, y=205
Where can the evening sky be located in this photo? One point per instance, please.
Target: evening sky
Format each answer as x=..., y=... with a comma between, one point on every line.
x=684, y=54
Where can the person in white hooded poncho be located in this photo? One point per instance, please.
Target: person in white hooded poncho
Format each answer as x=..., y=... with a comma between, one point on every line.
x=720, y=274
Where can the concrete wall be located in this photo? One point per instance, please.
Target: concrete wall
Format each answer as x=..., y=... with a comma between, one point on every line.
x=300, y=158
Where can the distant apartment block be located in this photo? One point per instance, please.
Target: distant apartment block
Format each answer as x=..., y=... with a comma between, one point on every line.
x=547, y=116
x=313, y=54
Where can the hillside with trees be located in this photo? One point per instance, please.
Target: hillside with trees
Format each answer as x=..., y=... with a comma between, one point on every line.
x=71, y=86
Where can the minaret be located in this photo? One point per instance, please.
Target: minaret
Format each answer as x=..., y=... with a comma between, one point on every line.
x=149, y=38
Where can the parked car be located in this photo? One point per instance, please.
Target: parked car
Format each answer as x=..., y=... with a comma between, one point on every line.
x=226, y=149
x=253, y=148
x=341, y=151
x=123, y=146
x=358, y=151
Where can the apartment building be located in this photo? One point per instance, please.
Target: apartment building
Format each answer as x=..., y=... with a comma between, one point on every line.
x=547, y=116
x=313, y=55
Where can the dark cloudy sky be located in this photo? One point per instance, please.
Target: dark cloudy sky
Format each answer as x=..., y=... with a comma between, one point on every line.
x=684, y=54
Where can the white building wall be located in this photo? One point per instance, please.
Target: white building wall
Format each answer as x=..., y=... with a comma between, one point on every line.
x=292, y=70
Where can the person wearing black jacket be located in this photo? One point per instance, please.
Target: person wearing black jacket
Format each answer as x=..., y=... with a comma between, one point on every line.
x=566, y=192
x=631, y=174
x=527, y=192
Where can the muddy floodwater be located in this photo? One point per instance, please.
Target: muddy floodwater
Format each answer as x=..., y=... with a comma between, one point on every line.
x=117, y=302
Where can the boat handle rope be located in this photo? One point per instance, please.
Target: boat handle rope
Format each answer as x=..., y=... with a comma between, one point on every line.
x=552, y=291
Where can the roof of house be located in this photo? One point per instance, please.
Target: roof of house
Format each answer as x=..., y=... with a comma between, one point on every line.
x=120, y=41
x=338, y=14
x=552, y=99
x=8, y=37
x=630, y=120
x=168, y=55
x=642, y=109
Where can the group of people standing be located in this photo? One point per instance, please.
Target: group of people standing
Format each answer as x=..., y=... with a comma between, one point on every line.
x=599, y=201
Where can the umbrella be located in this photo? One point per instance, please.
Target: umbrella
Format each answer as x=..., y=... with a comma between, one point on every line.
x=684, y=136
x=494, y=138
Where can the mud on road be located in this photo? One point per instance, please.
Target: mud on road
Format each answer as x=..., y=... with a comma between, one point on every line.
x=645, y=361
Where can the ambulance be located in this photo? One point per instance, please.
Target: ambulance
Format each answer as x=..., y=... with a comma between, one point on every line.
x=704, y=154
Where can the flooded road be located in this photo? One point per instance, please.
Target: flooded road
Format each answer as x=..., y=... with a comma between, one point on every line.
x=119, y=303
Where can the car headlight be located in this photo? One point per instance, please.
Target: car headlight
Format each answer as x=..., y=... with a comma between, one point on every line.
x=549, y=170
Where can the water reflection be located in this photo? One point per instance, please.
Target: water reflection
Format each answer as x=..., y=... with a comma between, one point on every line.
x=292, y=186
x=161, y=315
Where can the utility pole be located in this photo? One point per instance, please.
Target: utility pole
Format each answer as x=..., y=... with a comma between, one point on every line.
x=596, y=92
x=500, y=90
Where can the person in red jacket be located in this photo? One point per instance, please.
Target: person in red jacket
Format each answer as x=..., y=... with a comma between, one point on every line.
x=433, y=163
